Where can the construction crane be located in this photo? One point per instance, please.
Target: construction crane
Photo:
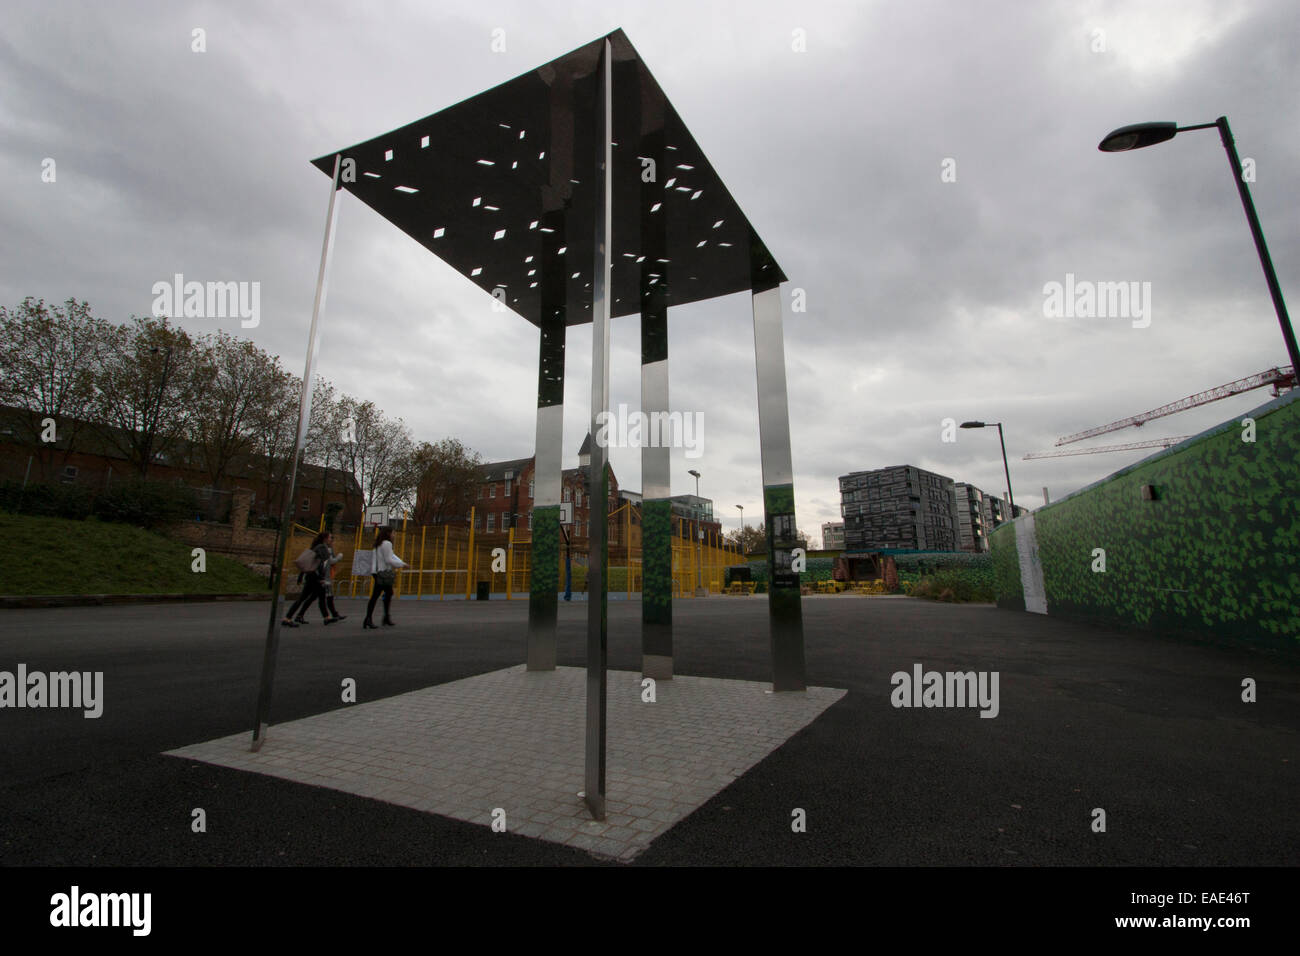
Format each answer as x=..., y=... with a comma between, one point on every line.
x=1153, y=443
x=1279, y=378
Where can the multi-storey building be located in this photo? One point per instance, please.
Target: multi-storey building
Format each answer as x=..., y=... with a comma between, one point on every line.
x=972, y=526
x=996, y=511
x=900, y=508
x=504, y=498
x=833, y=536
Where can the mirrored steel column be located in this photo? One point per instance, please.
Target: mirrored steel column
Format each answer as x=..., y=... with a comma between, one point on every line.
x=785, y=611
x=598, y=486
x=544, y=573
x=656, y=478
x=272, y=649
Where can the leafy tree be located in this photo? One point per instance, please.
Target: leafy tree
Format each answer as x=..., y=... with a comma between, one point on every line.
x=380, y=457
x=145, y=390
x=447, y=483
x=235, y=389
x=749, y=539
x=274, y=429
x=48, y=357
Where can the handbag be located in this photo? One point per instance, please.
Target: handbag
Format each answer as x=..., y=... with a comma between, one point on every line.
x=385, y=577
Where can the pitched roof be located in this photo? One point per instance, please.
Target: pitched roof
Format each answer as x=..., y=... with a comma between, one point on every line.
x=496, y=470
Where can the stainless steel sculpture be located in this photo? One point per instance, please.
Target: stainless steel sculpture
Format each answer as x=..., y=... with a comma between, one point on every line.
x=574, y=193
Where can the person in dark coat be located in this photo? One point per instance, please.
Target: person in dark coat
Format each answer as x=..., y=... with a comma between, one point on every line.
x=313, y=589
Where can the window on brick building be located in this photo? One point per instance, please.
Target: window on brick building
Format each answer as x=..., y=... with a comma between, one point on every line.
x=530, y=521
x=507, y=490
x=306, y=505
x=492, y=490
x=567, y=494
x=530, y=487
x=491, y=522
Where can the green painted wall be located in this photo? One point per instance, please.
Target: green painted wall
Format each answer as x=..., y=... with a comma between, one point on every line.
x=1006, y=568
x=1217, y=552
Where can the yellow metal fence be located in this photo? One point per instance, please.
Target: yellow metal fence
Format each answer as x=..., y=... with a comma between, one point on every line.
x=446, y=562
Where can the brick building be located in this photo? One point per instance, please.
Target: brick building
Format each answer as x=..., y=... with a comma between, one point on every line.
x=87, y=455
x=504, y=499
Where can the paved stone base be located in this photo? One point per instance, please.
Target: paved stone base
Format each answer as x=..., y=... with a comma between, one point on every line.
x=510, y=743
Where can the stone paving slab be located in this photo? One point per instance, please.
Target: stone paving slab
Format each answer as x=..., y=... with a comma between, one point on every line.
x=512, y=741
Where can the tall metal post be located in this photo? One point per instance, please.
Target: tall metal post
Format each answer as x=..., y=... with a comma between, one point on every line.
x=1006, y=471
x=1257, y=232
x=286, y=523
x=598, y=481
x=785, y=610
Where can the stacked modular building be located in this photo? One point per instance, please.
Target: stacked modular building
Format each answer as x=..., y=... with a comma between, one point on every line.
x=900, y=508
x=972, y=526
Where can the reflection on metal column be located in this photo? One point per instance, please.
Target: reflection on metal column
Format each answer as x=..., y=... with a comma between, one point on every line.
x=286, y=523
x=656, y=506
x=784, y=607
x=598, y=488
x=544, y=574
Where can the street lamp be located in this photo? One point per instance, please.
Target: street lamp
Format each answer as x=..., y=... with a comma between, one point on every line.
x=1007, y=471
x=699, y=538
x=1149, y=134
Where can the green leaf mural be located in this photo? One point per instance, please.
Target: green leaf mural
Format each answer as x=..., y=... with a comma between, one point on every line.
x=657, y=582
x=1216, y=552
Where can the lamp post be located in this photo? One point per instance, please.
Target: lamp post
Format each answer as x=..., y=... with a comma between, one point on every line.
x=1005, y=470
x=1149, y=134
x=699, y=538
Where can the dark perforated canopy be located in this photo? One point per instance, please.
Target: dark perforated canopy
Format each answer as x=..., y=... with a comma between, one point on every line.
x=502, y=187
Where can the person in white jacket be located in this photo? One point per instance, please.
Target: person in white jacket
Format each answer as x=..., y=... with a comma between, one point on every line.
x=384, y=574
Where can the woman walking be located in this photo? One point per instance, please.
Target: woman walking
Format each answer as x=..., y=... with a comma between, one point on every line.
x=312, y=589
x=327, y=584
x=385, y=575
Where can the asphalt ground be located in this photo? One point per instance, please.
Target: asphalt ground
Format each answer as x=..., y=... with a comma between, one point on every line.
x=1151, y=730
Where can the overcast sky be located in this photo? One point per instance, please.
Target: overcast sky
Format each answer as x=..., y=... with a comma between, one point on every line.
x=925, y=298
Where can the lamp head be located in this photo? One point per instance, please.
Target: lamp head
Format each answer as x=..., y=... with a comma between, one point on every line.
x=1137, y=136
